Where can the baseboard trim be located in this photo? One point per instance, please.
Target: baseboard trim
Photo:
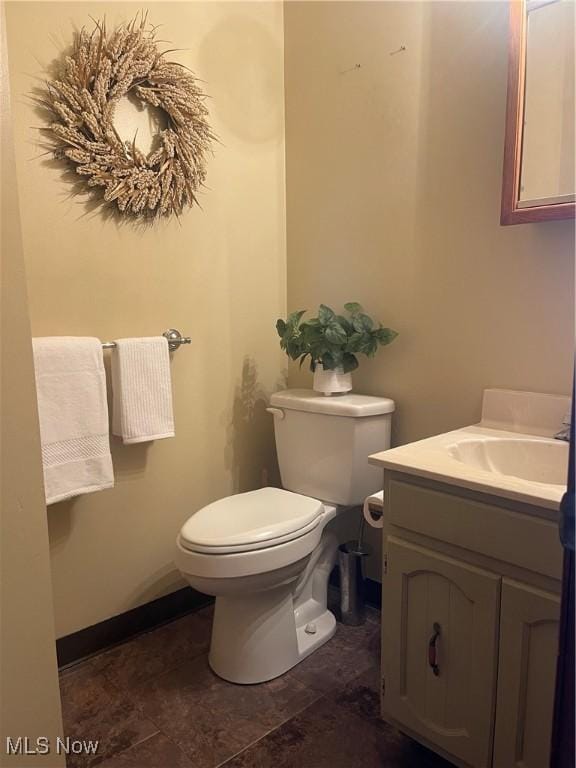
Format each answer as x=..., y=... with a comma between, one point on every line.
x=373, y=593
x=91, y=640
x=117, y=629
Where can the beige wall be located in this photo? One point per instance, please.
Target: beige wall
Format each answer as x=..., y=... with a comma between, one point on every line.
x=29, y=696
x=393, y=198
x=218, y=275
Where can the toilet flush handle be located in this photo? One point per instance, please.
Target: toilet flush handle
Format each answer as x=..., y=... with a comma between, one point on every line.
x=277, y=412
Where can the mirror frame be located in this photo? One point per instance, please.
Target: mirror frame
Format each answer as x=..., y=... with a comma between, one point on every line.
x=510, y=212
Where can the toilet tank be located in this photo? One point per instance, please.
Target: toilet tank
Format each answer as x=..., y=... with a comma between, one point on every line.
x=323, y=443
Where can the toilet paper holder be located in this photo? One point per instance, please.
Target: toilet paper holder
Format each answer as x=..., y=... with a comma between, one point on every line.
x=375, y=511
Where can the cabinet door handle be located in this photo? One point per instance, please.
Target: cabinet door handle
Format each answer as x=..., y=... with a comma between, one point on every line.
x=433, y=649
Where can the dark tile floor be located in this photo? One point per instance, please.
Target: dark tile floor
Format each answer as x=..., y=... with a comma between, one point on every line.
x=153, y=702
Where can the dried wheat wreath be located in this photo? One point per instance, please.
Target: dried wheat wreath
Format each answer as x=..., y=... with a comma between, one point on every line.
x=101, y=70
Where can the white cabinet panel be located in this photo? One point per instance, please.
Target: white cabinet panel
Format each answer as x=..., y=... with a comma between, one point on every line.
x=527, y=670
x=452, y=707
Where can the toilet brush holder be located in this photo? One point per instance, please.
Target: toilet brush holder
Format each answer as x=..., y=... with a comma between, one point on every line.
x=352, y=585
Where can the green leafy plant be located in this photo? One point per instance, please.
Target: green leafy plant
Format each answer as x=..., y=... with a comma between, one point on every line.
x=331, y=339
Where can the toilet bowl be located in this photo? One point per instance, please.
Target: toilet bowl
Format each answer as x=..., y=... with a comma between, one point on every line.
x=266, y=555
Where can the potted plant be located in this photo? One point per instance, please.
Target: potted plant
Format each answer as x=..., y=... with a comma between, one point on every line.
x=332, y=342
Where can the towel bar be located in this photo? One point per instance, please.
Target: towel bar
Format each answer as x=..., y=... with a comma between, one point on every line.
x=174, y=337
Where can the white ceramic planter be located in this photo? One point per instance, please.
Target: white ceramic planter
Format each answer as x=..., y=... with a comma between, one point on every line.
x=331, y=382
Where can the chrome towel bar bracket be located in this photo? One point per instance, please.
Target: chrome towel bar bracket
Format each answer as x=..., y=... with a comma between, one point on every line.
x=174, y=338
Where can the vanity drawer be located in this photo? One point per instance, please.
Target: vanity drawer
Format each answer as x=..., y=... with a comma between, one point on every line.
x=521, y=539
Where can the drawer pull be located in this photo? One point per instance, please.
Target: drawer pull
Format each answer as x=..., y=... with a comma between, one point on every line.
x=433, y=650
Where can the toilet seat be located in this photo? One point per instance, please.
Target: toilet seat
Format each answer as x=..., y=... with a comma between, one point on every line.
x=226, y=566
x=265, y=557
x=251, y=521
x=251, y=547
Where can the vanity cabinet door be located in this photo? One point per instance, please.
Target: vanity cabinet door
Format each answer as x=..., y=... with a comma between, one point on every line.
x=440, y=634
x=529, y=626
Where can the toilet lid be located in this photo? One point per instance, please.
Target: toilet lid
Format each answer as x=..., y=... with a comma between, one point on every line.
x=250, y=521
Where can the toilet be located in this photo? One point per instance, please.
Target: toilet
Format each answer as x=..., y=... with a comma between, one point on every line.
x=266, y=555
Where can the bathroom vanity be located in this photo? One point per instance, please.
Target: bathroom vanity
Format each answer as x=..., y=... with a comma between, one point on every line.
x=471, y=584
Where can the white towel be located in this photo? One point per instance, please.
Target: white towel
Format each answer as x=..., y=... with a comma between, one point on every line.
x=142, y=392
x=73, y=413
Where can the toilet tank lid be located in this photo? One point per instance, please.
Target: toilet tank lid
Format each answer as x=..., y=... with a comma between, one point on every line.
x=351, y=405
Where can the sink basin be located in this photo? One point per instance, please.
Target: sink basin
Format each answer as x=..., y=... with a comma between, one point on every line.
x=539, y=461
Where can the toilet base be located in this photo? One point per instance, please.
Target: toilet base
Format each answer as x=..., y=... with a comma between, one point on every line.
x=259, y=636
x=270, y=650
x=325, y=629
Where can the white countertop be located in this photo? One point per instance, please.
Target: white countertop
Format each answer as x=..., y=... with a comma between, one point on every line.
x=431, y=459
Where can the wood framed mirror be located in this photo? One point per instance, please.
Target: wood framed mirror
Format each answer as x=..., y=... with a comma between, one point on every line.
x=539, y=160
